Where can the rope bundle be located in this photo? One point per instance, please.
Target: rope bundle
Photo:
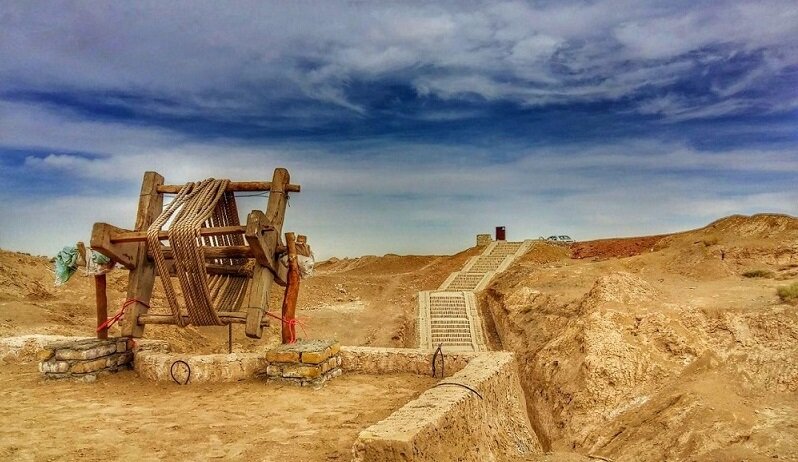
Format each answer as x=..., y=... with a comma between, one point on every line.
x=197, y=205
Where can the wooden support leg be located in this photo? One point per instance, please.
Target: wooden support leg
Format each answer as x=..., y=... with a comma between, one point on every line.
x=257, y=301
x=101, y=299
x=142, y=278
x=262, y=278
x=291, y=291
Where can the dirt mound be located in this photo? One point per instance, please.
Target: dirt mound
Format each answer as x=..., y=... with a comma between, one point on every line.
x=619, y=288
x=542, y=252
x=762, y=225
x=615, y=248
x=665, y=355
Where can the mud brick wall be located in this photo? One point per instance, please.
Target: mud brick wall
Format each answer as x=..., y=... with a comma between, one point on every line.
x=157, y=366
x=309, y=363
x=379, y=360
x=84, y=359
x=479, y=413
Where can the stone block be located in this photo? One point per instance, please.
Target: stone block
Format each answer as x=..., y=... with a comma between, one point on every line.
x=315, y=357
x=93, y=365
x=45, y=354
x=85, y=354
x=301, y=371
x=281, y=355
x=53, y=366
x=273, y=370
x=330, y=363
x=121, y=346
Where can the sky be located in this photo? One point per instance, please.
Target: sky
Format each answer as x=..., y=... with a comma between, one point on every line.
x=411, y=126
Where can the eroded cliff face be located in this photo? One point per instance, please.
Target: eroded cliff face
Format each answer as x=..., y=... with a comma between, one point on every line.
x=671, y=354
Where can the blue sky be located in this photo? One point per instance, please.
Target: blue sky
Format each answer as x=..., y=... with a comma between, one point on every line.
x=412, y=126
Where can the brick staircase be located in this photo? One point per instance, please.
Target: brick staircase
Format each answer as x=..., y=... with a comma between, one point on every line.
x=449, y=316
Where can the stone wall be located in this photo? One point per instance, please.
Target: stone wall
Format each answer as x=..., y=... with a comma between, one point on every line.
x=85, y=359
x=232, y=367
x=25, y=348
x=476, y=414
x=377, y=360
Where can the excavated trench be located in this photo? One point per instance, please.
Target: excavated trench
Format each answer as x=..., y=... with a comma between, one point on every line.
x=491, y=302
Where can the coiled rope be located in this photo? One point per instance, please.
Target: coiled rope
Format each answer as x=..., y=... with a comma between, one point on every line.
x=198, y=205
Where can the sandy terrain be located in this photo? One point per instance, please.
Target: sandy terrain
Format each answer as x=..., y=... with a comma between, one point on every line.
x=120, y=417
x=365, y=301
x=651, y=348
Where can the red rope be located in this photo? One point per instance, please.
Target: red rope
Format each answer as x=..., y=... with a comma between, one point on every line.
x=291, y=326
x=113, y=319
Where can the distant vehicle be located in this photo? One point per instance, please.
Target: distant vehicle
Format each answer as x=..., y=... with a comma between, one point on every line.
x=563, y=239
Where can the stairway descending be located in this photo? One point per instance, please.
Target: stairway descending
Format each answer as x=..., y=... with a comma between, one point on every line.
x=449, y=316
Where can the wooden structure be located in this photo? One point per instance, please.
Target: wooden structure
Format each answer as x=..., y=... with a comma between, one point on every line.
x=255, y=256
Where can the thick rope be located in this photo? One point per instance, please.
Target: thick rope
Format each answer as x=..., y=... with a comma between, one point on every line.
x=197, y=205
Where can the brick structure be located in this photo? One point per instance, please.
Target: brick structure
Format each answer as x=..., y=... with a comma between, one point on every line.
x=85, y=359
x=483, y=240
x=305, y=363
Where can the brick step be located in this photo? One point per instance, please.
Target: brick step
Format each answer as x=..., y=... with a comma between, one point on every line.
x=460, y=337
x=458, y=329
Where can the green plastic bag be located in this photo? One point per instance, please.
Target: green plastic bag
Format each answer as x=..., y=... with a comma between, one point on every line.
x=66, y=263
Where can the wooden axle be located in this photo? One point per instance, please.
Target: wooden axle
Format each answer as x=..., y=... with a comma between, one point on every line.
x=235, y=186
x=225, y=316
x=119, y=237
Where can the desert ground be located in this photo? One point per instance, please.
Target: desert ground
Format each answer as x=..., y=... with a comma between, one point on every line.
x=668, y=347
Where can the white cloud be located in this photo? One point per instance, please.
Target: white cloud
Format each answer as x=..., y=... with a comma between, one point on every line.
x=206, y=56
x=397, y=197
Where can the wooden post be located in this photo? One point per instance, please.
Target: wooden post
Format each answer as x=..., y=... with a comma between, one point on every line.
x=291, y=291
x=262, y=278
x=142, y=278
x=101, y=300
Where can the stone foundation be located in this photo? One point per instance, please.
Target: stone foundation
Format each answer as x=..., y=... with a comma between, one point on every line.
x=305, y=363
x=85, y=359
x=157, y=366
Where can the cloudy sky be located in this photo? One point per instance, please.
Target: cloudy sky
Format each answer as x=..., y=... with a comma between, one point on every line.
x=411, y=126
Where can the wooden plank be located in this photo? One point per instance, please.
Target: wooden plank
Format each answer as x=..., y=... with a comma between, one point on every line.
x=122, y=236
x=101, y=300
x=256, y=233
x=228, y=251
x=262, y=278
x=291, y=292
x=123, y=253
x=141, y=280
x=228, y=317
x=236, y=186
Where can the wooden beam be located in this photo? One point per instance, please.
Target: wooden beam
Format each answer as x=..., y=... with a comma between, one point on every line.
x=123, y=236
x=291, y=292
x=236, y=186
x=228, y=317
x=141, y=280
x=258, y=298
x=228, y=251
x=101, y=300
x=122, y=253
x=256, y=234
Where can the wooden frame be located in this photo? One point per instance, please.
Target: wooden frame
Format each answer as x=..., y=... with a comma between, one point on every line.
x=262, y=234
